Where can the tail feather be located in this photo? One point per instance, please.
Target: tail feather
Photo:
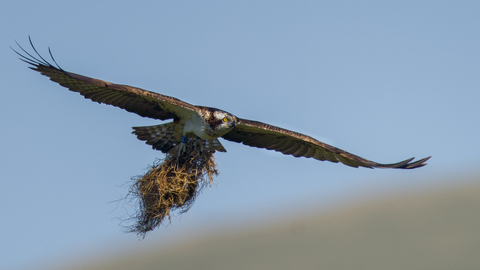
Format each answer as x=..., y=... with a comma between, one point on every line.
x=161, y=137
x=212, y=145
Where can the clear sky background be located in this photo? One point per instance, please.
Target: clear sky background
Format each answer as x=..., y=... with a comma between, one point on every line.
x=386, y=80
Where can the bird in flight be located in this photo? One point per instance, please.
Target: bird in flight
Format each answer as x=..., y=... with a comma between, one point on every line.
x=200, y=123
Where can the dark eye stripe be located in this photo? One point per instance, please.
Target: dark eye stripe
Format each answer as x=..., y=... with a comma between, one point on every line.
x=215, y=124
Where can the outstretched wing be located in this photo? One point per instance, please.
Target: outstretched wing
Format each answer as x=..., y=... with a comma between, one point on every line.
x=262, y=135
x=132, y=99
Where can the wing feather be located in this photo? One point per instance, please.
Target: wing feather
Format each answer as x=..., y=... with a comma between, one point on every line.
x=330, y=156
x=286, y=145
x=319, y=154
x=132, y=99
x=301, y=151
x=310, y=153
x=288, y=142
x=292, y=149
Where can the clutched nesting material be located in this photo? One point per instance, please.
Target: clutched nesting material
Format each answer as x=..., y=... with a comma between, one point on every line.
x=171, y=184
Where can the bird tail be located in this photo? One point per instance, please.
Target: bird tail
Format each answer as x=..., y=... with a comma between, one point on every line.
x=161, y=137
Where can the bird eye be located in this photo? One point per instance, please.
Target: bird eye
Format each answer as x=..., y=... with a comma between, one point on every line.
x=225, y=119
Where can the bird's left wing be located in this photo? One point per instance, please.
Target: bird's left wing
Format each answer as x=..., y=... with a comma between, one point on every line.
x=132, y=99
x=270, y=137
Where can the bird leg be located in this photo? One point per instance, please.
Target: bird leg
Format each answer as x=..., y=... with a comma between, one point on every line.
x=182, y=146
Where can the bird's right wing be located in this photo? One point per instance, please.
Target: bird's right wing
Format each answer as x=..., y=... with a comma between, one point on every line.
x=132, y=99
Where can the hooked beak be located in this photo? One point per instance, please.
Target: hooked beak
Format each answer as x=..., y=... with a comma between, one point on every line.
x=233, y=124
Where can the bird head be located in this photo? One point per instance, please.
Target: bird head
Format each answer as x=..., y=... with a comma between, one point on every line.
x=220, y=122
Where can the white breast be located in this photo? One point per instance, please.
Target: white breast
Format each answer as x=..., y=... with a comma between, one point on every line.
x=196, y=125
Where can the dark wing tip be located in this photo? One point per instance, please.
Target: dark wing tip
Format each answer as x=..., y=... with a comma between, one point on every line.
x=406, y=164
x=37, y=60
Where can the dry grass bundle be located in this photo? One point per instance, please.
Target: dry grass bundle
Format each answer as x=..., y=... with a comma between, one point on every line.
x=171, y=184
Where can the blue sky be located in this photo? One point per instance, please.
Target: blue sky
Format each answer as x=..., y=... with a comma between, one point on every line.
x=384, y=80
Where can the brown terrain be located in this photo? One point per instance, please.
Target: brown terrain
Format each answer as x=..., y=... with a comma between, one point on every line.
x=436, y=229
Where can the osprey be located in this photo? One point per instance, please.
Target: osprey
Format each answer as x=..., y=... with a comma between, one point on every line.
x=205, y=124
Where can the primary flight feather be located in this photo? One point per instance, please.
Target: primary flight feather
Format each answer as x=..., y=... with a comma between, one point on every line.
x=205, y=124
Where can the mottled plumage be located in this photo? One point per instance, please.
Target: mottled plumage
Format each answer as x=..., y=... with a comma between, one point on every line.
x=204, y=124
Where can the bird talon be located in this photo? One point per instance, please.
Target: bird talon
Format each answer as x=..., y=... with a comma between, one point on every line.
x=182, y=146
x=198, y=145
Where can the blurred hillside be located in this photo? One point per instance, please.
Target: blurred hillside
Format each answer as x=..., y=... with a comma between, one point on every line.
x=427, y=230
